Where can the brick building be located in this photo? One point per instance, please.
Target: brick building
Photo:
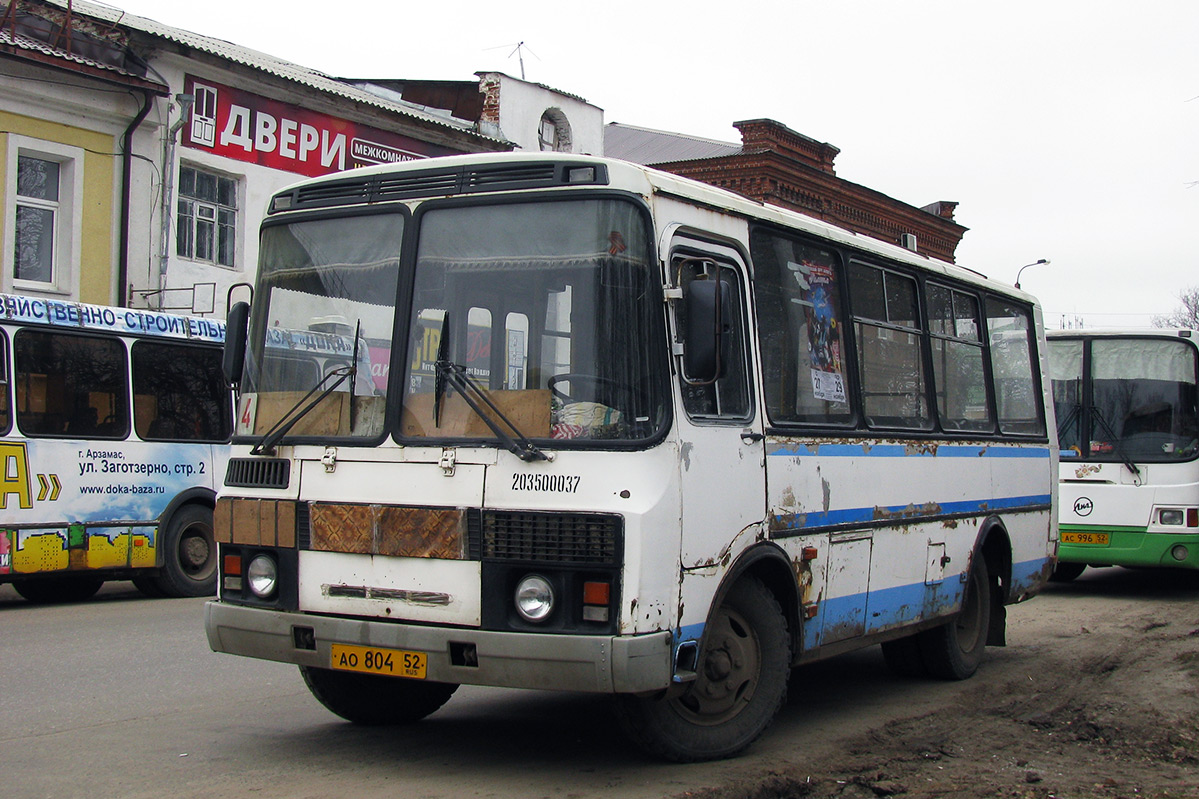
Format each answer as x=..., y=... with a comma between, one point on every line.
x=776, y=165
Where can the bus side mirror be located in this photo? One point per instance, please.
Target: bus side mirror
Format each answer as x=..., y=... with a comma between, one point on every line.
x=707, y=340
x=233, y=359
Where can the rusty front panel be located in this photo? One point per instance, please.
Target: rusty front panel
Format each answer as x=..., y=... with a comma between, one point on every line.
x=285, y=524
x=342, y=528
x=255, y=522
x=245, y=522
x=422, y=532
x=266, y=522
x=222, y=521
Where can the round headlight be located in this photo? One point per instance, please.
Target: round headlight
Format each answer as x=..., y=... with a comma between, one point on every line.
x=262, y=575
x=534, y=598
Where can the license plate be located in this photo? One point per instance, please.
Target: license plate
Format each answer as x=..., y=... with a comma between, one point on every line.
x=1085, y=538
x=376, y=660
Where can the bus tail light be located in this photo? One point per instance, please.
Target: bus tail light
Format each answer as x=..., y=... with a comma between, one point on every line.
x=1192, y=517
x=596, y=596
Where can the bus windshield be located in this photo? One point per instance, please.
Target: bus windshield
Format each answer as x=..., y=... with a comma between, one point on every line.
x=548, y=309
x=326, y=300
x=1135, y=401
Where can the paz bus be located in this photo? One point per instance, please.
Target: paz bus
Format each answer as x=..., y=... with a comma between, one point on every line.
x=1129, y=435
x=114, y=424
x=638, y=436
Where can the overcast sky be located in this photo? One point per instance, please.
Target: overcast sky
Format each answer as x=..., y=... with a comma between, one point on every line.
x=1064, y=130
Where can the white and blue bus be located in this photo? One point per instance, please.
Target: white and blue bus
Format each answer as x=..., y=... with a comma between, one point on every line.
x=114, y=428
x=1128, y=427
x=628, y=434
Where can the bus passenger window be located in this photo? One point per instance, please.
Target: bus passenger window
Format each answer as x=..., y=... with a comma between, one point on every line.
x=890, y=362
x=800, y=327
x=1009, y=329
x=5, y=419
x=960, y=381
x=70, y=385
x=179, y=393
x=516, y=355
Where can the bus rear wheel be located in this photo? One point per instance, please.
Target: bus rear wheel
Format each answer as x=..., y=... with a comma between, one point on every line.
x=48, y=590
x=740, y=685
x=189, y=556
x=954, y=650
x=373, y=700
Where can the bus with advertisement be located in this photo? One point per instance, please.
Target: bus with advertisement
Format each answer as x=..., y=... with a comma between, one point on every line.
x=1128, y=429
x=643, y=437
x=115, y=425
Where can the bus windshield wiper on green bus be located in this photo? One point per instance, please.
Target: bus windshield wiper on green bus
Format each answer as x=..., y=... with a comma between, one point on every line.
x=1117, y=443
x=266, y=444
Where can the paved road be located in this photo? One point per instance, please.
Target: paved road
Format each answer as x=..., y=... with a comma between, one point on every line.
x=121, y=697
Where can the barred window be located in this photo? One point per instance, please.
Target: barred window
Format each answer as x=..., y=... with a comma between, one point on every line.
x=207, y=217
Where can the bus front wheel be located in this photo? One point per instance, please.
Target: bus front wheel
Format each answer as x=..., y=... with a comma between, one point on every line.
x=954, y=650
x=371, y=699
x=189, y=556
x=1066, y=572
x=741, y=682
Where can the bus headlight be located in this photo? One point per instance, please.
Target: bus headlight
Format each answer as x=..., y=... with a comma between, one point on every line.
x=534, y=598
x=262, y=575
x=1170, y=516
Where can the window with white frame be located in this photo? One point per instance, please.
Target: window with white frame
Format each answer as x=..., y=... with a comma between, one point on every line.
x=206, y=222
x=37, y=214
x=43, y=187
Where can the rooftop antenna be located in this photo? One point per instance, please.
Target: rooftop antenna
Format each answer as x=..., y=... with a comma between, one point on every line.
x=518, y=51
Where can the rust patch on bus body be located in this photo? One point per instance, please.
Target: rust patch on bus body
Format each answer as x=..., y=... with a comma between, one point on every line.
x=388, y=530
x=910, y=512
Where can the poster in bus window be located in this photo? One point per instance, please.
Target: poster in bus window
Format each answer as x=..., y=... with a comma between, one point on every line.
x=824, y=332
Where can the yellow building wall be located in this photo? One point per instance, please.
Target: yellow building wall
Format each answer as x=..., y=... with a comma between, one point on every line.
x=97, y=268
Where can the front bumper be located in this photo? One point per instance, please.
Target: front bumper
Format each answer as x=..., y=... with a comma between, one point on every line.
x=596, y=664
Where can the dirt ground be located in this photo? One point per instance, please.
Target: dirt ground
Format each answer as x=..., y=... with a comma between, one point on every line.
x=1096, y=695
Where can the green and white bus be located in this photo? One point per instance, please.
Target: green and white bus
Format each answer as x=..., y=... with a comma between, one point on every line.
x=1128, y=431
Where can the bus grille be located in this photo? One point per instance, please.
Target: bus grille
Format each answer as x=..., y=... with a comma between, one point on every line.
x=574, y=538
x=382, y=187
x=258, y=472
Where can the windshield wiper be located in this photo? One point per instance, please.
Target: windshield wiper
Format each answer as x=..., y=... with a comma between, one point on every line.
x=1069, y=419
x=516, y=442
x=1117, y=444
x=266, y=444
x=454, y=374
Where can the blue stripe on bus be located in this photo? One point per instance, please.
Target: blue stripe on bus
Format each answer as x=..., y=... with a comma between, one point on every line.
x=892, y=607
x=905, y=451
x=911, y=512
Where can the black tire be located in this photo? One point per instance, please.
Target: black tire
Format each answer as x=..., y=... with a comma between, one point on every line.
x=745, y=660
x=903, y=657
x=189, y=555
x=54, y=590
x=372, y=700
x=954, y=650
x=1066, y=572
x=148, y=585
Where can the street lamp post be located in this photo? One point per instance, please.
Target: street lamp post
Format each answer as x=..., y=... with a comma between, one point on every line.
x=1037, y=262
